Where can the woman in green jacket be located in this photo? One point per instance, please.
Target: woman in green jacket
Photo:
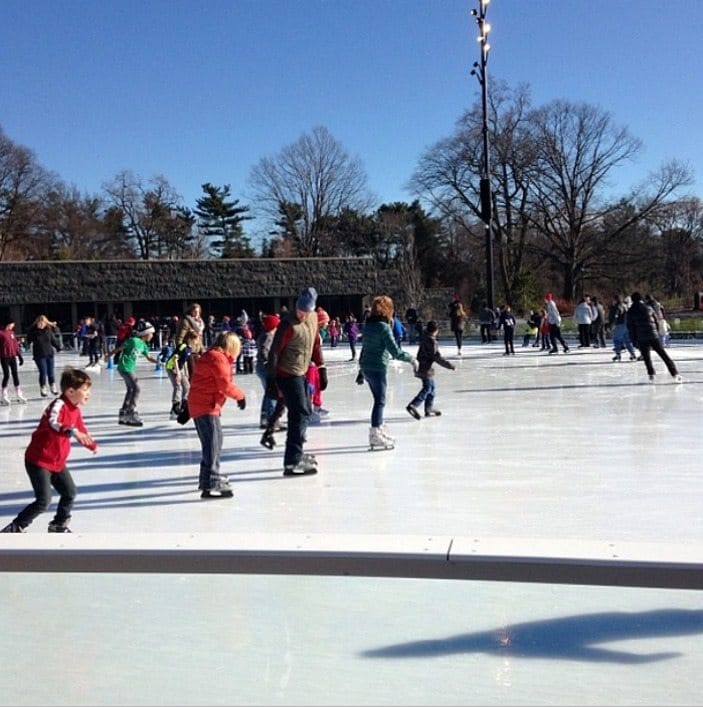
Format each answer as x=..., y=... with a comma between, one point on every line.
x=379, y=346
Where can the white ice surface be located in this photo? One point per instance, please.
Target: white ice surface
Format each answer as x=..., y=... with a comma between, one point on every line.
x=568, y=449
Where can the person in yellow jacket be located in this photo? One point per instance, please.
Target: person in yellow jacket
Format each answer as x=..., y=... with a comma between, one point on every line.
x=212, y=383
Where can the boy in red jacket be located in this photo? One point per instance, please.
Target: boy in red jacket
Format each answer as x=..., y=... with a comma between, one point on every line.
x=48, y=450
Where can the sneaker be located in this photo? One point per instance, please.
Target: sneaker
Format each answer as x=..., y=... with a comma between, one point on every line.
x=58, y=528
x=413, y=411
x=13, y=528
x=302, y=468
x=433, y=413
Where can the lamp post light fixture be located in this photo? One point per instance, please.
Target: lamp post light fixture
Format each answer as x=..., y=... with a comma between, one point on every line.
x=479, y=71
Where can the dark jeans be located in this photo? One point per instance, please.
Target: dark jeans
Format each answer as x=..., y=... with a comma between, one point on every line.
x=646, y=348
x=554, y=336
x=426, y=394
x=377, y=384
x=295, y=396
x=485, y=333
x=42, y=480
x=9, y=366
x=209, y=429
x=45, y=364
x=267, y=404
x=508, y=339
x=131, y=397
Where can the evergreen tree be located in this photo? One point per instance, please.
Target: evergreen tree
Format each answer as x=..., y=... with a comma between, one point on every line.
x=220, y=220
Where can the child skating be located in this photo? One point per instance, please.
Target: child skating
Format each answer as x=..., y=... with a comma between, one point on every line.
x=427, y=355
x=48, y=450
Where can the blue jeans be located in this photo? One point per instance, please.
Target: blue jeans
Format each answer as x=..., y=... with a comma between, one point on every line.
x=426, y=394
x=295, y=395
x=209, y=429
x=621, y=339
x=45, y=364
x=377, y=384
x=267, y=404
x=42, y=480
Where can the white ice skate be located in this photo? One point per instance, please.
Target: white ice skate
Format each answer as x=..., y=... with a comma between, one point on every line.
x=378, y=440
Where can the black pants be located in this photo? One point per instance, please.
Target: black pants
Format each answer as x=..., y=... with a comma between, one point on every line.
x=9, y=366
x=42, y=480
x=646, y=348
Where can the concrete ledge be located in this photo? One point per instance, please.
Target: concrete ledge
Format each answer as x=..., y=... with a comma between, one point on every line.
x=506, y=560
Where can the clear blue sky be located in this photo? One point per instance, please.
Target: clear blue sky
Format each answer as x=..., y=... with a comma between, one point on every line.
x=200, y=90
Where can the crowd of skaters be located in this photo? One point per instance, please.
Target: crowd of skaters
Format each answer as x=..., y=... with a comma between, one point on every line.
x=285, y=351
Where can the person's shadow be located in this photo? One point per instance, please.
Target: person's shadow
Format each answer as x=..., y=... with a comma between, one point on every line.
x=567, y=638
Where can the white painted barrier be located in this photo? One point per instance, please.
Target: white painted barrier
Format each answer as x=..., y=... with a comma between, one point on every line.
x=507, y=560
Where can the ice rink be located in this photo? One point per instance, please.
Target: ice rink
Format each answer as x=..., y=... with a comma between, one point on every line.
x=562, y=451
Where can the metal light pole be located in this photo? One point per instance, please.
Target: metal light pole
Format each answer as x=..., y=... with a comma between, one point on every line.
x=479, y=71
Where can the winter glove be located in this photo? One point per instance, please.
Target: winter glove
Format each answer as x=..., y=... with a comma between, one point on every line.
x=20, y=360
x=241, y=404
x=323, y=378
x=360, y=378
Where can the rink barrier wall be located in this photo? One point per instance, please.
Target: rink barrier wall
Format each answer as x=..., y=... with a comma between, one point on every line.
x=612, y=564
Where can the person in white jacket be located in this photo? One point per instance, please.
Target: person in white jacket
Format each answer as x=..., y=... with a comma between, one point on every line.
x=584, y=318
x=554, y=319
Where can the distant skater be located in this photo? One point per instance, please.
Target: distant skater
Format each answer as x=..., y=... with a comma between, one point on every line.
x=642, y=326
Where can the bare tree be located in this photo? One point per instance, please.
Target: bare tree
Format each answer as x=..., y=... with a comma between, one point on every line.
x=148, y=210
x=317, y=176
x=449, y=173
x=73, y=227
x=23, y=183
x=579, y=146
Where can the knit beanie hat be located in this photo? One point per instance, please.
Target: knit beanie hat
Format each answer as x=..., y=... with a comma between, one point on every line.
x=143, y=328
x=323, y=319
x=307, y=300
x=270, y=322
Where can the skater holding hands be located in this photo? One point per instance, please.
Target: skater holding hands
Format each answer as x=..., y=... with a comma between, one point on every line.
x=379, y=346
x=427, y=355
x=48, y=450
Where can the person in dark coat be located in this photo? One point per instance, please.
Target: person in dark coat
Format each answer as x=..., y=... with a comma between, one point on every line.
x=642, y=327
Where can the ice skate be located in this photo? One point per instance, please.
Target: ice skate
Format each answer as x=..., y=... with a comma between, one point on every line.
x=13, y=528
x=413, y=411
x=432, y=412
x=377, y=440
x=304, y=467
x=54, y=389
x=268, y=440
x=44, y=391
x=58, y=528
x=19, y=397
x=221, y=489
x=5, y=399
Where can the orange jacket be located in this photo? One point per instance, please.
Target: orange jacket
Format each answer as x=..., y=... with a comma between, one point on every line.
x=212, y=383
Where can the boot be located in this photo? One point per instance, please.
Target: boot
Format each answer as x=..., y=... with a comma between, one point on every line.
x=386, y=436
x=378, y=440
x=5, y=400
x=18, y=395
